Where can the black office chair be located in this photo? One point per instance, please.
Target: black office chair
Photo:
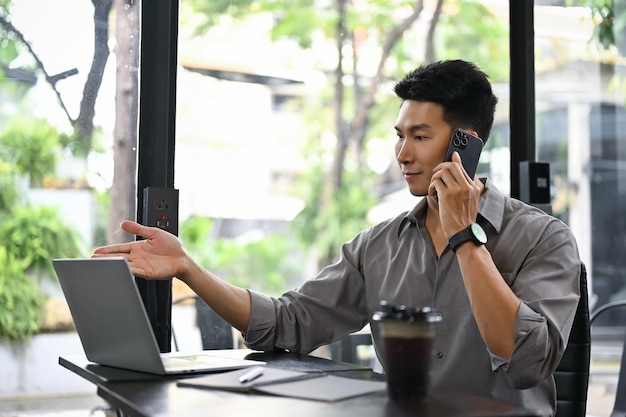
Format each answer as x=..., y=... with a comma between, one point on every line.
x=572, y=373
x=215, y=332
x=619, y=407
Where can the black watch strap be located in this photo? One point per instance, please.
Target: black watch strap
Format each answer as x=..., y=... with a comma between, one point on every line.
x=474, y=233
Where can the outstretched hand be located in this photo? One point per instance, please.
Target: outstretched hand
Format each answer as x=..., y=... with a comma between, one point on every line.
x=159, y=256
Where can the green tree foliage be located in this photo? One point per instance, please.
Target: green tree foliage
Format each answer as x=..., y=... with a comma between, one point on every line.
x=295, y=19
x=609, y=32
x=264, y=262
x=326, y=227
x=33, y=146
x=9, y=50
x=610, y=18
x=340, y=189
x=30, y=237
x=471, y=31
x=16, y=44
x=9, y=194
x=37, y=235
x=20, y=300
x=342, y=219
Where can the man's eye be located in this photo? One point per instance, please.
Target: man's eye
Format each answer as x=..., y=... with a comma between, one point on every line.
x=420, y=137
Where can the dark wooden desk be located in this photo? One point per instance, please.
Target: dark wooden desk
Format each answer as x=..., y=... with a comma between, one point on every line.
x=144, y=395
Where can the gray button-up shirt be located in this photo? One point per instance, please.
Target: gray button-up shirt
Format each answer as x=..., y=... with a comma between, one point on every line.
x=396, y=261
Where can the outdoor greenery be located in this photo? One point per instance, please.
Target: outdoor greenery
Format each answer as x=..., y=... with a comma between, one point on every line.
x=342, y=219
x=36, y=235
x=610, y=18
x=338, y=189
x=265, y=262
x=9, y=193
x=30, y=149
x=30, y=237
x=20, y=300
x=32, y=146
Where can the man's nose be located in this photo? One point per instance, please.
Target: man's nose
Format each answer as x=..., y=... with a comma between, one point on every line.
x=402, y=154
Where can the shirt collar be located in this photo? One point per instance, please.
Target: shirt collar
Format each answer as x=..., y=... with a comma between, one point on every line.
x=491, y=205
x=490, y=209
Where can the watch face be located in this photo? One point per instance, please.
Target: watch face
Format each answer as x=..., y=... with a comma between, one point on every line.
x=479, y=233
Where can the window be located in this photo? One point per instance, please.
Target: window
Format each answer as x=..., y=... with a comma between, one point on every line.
x=261, y=126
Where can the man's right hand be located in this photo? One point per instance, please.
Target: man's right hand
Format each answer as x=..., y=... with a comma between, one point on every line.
x=159, y=256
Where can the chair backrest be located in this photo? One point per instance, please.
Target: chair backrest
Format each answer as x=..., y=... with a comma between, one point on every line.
x=572, y=373
x=619, y=407
x=216, y=333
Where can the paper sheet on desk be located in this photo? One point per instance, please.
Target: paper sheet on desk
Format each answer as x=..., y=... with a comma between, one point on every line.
x=312, y=386
x=324, y=388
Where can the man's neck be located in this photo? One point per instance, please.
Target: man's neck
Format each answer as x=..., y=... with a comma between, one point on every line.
x=433, y=225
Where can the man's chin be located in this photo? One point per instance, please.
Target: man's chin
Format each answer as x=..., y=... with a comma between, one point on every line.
x=418, y=193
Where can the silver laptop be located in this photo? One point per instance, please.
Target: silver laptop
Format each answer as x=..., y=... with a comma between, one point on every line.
x=113, y=325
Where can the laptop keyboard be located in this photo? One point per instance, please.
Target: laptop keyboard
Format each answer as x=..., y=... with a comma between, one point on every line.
x=192, y=361
x=173, y=360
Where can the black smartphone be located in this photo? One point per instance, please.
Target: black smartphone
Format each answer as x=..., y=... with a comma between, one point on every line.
x=468, y=146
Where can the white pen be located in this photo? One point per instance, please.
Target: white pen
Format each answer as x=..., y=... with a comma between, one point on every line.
x=252, y=375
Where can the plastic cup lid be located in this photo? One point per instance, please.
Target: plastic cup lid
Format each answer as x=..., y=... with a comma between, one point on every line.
x=402, y=312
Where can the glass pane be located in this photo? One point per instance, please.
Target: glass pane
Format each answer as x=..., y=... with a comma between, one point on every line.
x=580, y=132
x=58, y=129
x=268, y=108
x=263, y=124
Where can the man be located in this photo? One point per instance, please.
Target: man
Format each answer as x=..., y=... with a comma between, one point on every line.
x=508, y=304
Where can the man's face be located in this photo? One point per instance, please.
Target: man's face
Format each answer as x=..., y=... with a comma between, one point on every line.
x=423, y=138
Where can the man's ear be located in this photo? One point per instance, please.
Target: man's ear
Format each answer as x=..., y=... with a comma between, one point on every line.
x=467, y=129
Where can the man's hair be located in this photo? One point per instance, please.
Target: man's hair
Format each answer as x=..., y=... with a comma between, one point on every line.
x=460, y=87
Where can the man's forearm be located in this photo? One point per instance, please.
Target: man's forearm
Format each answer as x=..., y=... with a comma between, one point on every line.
x=493, y=303
x=228, y=301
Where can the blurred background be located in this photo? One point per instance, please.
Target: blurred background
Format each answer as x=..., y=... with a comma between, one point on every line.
x=284, y=147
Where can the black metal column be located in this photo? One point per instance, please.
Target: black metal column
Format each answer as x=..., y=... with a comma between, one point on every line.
x=157, y=111
x=522, y=87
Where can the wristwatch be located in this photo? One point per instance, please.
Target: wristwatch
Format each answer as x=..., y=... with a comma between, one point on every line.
x=474, y=232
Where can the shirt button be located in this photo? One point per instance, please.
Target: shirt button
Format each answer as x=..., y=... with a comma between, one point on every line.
x=439, y=355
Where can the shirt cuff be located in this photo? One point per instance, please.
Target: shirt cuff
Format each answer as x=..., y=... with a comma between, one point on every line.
x=527, y=320
x=262, y=325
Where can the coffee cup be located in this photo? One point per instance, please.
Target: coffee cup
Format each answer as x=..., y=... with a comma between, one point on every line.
x=407, y=335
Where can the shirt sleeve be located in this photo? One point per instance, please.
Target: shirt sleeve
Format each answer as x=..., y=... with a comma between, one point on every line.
x=549, y=289
x=321, y=311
